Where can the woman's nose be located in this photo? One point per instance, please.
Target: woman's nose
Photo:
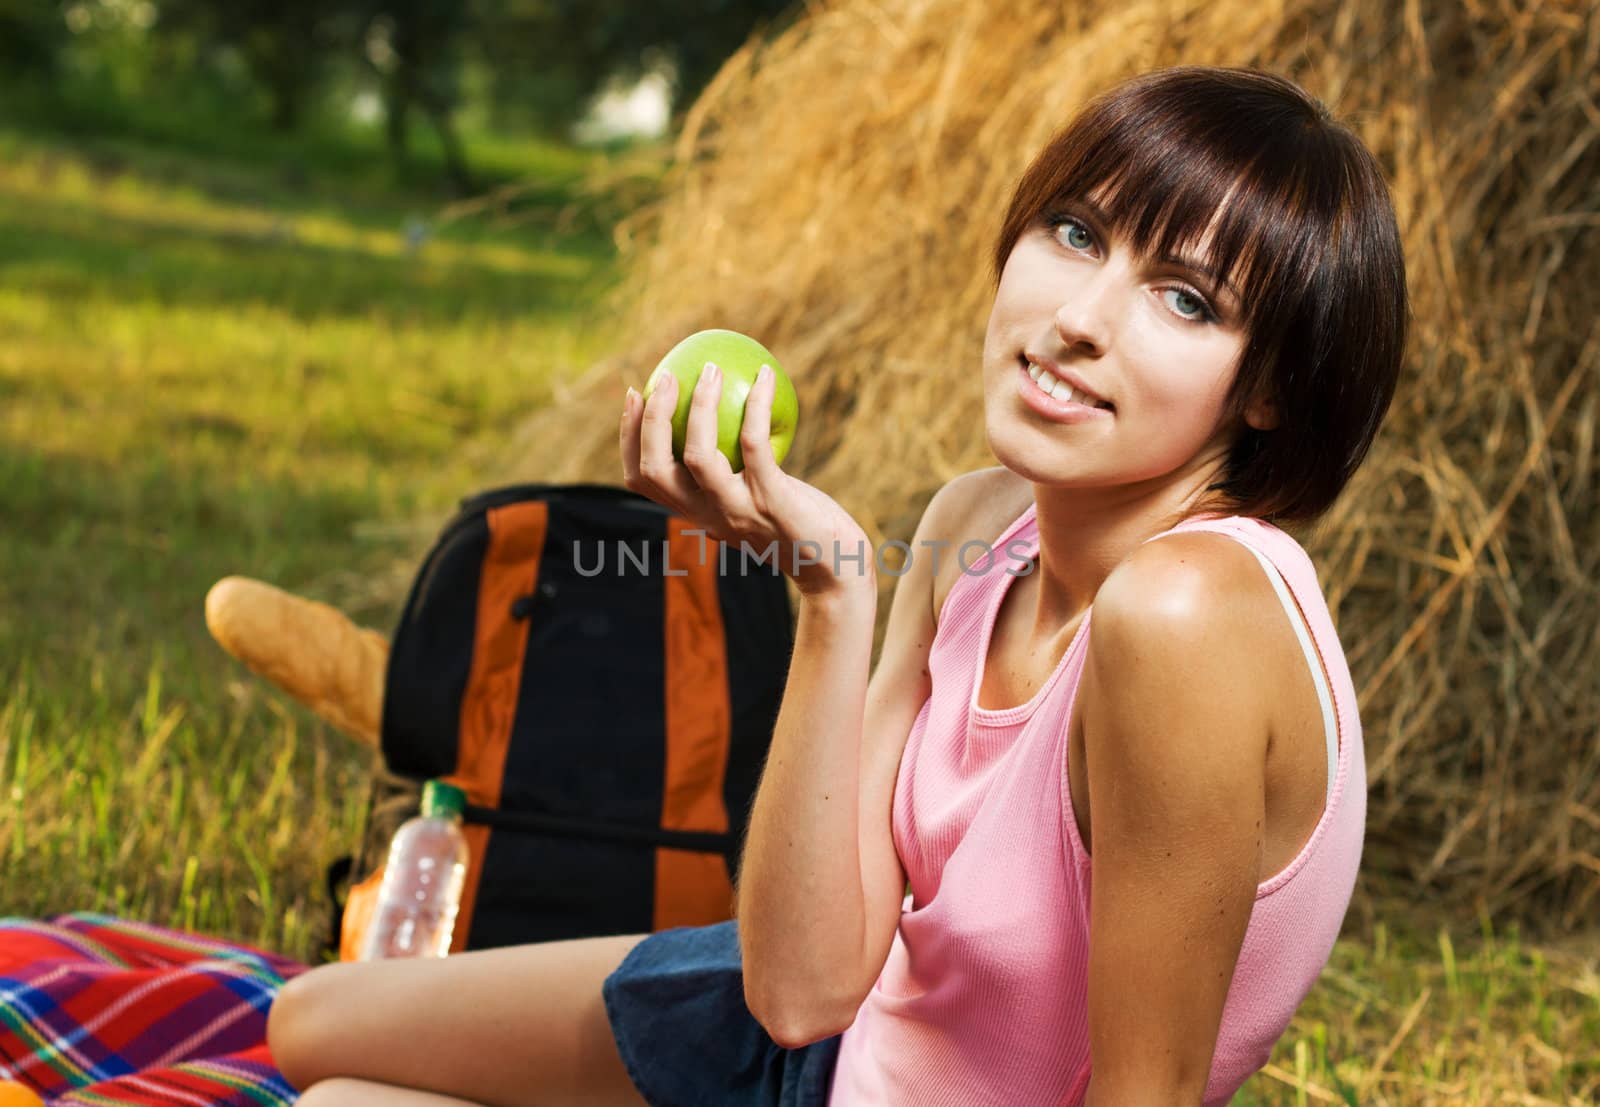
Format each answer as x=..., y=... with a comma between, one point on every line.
x=1083, y=321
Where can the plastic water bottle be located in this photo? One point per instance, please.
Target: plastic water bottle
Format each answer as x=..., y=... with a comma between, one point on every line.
x=421, y=890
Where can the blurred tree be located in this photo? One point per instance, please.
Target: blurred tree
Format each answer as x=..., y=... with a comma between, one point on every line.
x=286, y=44
x=569, y=49
x=548, y=55
x=31, y=37
x=530, y=61
x=414, y=46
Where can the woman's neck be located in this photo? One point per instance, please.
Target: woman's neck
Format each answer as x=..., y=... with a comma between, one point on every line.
x=1085, y=533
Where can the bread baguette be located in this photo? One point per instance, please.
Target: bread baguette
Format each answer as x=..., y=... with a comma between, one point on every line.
x=308, y=649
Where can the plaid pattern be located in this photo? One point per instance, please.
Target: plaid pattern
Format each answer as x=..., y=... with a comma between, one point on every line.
x=100, y=1010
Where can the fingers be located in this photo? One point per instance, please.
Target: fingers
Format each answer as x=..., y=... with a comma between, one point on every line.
x=700, y=454
x=725, y=495
x=755, y=435
x=632, y=409
x=703, y=487
x=647, y=463
x=660, y=476
x=655, y=434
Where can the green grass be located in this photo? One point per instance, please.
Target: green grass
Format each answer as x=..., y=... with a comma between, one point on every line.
x=205, y=370
x=1427, y=1017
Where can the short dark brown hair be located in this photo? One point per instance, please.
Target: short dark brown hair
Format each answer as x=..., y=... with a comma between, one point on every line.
x=1309, y=240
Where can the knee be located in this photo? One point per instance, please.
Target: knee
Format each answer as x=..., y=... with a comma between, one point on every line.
x=299, y=1026
x=337, y=1092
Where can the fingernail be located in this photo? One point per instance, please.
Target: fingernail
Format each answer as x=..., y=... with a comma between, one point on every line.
x=764, y=375
x=710, y=373
x=627, y=401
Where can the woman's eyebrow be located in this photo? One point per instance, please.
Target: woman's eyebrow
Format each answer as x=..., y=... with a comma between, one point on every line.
x=1201, y=270
x=1193, y=265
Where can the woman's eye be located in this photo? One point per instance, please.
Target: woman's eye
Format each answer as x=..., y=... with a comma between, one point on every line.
x=1074, y=234
x=1188, y=305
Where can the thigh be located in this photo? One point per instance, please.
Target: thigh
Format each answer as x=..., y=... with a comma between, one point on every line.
x=524, y=1026
x=342, y=1091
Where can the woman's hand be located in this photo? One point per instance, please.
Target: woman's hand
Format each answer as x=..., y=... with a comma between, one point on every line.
x=817, y=542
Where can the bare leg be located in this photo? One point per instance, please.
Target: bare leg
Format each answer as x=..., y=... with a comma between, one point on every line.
x=518, y=1027
x=341, y=1091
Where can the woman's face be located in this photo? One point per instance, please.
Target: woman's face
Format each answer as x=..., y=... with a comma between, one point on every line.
x=1154, y=343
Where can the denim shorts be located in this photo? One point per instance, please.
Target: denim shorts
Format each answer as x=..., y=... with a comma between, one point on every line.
x=677, y=1010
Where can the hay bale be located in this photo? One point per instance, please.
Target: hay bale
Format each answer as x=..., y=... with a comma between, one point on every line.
x=835, y=192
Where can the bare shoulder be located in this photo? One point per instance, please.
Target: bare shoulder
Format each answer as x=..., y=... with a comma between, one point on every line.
x=975, y=506
x=1194, y=589
x=1194, y=615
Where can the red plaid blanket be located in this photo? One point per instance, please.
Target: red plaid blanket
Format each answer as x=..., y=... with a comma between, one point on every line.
x=100, y=1010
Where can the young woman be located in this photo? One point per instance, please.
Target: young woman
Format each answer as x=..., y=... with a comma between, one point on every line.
x=1129, y=851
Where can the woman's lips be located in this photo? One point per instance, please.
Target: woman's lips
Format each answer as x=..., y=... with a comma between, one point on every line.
x=1056, y=410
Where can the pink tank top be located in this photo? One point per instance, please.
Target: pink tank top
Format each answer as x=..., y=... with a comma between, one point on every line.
x=983, y=998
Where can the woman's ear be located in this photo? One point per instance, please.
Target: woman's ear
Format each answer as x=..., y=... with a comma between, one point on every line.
x=1261, y=415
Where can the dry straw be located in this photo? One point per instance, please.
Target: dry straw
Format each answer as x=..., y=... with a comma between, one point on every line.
x=835, y=192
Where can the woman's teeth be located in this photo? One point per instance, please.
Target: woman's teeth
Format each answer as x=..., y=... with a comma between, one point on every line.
x=1060, y=389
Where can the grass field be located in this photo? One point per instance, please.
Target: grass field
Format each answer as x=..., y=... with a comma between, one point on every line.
x=210, y=366
x=207, y=370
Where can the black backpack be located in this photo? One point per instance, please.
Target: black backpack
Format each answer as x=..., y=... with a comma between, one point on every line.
x=603, y=684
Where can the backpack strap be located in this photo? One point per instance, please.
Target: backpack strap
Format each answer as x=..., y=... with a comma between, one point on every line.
x=699, y=731
x=489, y=707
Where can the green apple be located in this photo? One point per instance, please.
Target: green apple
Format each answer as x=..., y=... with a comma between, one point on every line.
x=740, y=358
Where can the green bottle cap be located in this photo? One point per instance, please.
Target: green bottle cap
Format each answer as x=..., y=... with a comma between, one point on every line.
x=439, y=798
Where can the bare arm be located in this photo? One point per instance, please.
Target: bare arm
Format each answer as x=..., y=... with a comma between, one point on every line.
x=821, y=886
x=820, y=883
x=1175, y=732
